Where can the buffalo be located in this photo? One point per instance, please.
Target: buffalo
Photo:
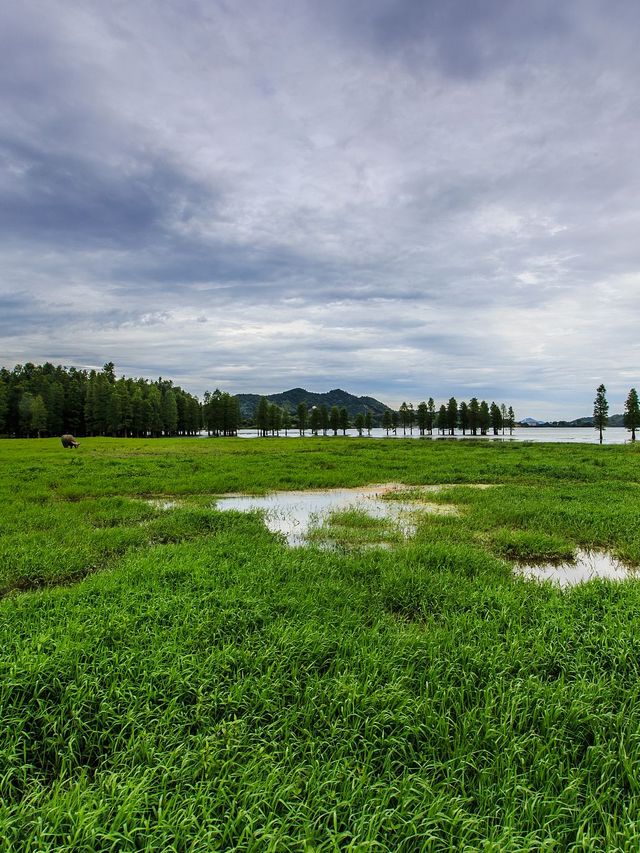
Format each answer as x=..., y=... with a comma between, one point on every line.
x=69, y=441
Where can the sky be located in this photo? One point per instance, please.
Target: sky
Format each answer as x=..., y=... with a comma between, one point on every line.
x=400, y=198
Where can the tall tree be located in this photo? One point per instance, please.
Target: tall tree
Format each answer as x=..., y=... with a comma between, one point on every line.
x=441, y=420
x=315, y=420
x=334, y=419
x=600, y=410
x=404, y=417
x=474, y=415
x=359, y=422
x=511, y=420
x=368, y=421
x=632, y=413
x=496, y=418
x=301, y=413
x=484, y=418
x=431, y=415
x=422, y=417
x=387, y=420
x=344, y=420
x=38, y=415
x=463, y=417
x=452, y=415
x=262, y=416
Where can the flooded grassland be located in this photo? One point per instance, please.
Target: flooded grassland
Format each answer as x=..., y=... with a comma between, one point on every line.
x=244, y=645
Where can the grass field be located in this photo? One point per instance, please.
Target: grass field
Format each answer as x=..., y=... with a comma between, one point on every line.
x=177, y=678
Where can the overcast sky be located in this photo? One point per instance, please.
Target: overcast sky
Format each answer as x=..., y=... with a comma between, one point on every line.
x=400, y=198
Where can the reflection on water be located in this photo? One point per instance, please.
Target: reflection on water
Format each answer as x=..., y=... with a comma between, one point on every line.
x=587, y=565
x=296, y=514
x=555, y=435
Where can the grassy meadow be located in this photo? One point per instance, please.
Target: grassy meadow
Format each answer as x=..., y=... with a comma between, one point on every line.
x=175, y=678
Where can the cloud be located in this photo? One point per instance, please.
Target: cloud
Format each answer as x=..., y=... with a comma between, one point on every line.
x=401, y=198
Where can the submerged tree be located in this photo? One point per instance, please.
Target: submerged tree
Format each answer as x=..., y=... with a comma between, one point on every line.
x=600, y=410
x=632, y=413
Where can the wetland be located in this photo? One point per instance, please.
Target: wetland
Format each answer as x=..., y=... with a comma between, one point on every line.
x=177, y=676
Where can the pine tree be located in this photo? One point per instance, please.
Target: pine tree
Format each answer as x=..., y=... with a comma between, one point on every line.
x=38, y=415
x=334, y=419
x=632, y=413
x=441, y=420
x=422, y=417
x=262, y=416
x=463, y=416
x=484, y=417
x=431, y=415
x=496, y=418
x=474, y=415
x=600, y=410
x=359, y=423
x=301, y=413
x=452, y=415
x=344, y=420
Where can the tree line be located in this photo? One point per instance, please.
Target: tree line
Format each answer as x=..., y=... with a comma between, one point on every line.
x=37, y=400
x=472, y=418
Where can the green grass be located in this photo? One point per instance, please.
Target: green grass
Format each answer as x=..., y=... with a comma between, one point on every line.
x=186, y=682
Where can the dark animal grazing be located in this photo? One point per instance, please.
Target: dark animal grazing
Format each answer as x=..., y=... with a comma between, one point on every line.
x=69, y=441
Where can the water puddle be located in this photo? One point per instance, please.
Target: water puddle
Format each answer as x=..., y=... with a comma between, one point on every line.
x=162, y=503
x=587, y=565
x=300, y=515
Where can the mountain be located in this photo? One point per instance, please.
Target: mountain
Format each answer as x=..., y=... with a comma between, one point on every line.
x=614, y=421
x=291, y=399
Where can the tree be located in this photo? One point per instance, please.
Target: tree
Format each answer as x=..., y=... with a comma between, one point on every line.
x=387, y=420
x=511, y=420
x=452, y=415
x=404, y=417
x=324, y=418
x=359, y=423
x=422, y=416
x=334, y=419
x=262, y=416
x=301, y=412
x=632, y=413
x=441, y=420
x=474, y=415
x=463, y=416
x=496, y=418
x=344, y=420
x=286, y=420
x=315, y=420
x=431, y=415
x=600, y=410
x=368, y=421
x=4, y=406
x=505, y=416
x=484, y=418
x=38, y=415
x=169, y=412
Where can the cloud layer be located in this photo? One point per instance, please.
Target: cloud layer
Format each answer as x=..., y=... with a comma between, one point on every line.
x=403, y=199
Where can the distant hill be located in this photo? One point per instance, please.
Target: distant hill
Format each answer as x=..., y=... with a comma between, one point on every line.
x=291, y=399
x=614, y=421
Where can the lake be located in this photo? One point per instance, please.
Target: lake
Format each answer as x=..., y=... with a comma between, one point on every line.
x=575, y=435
